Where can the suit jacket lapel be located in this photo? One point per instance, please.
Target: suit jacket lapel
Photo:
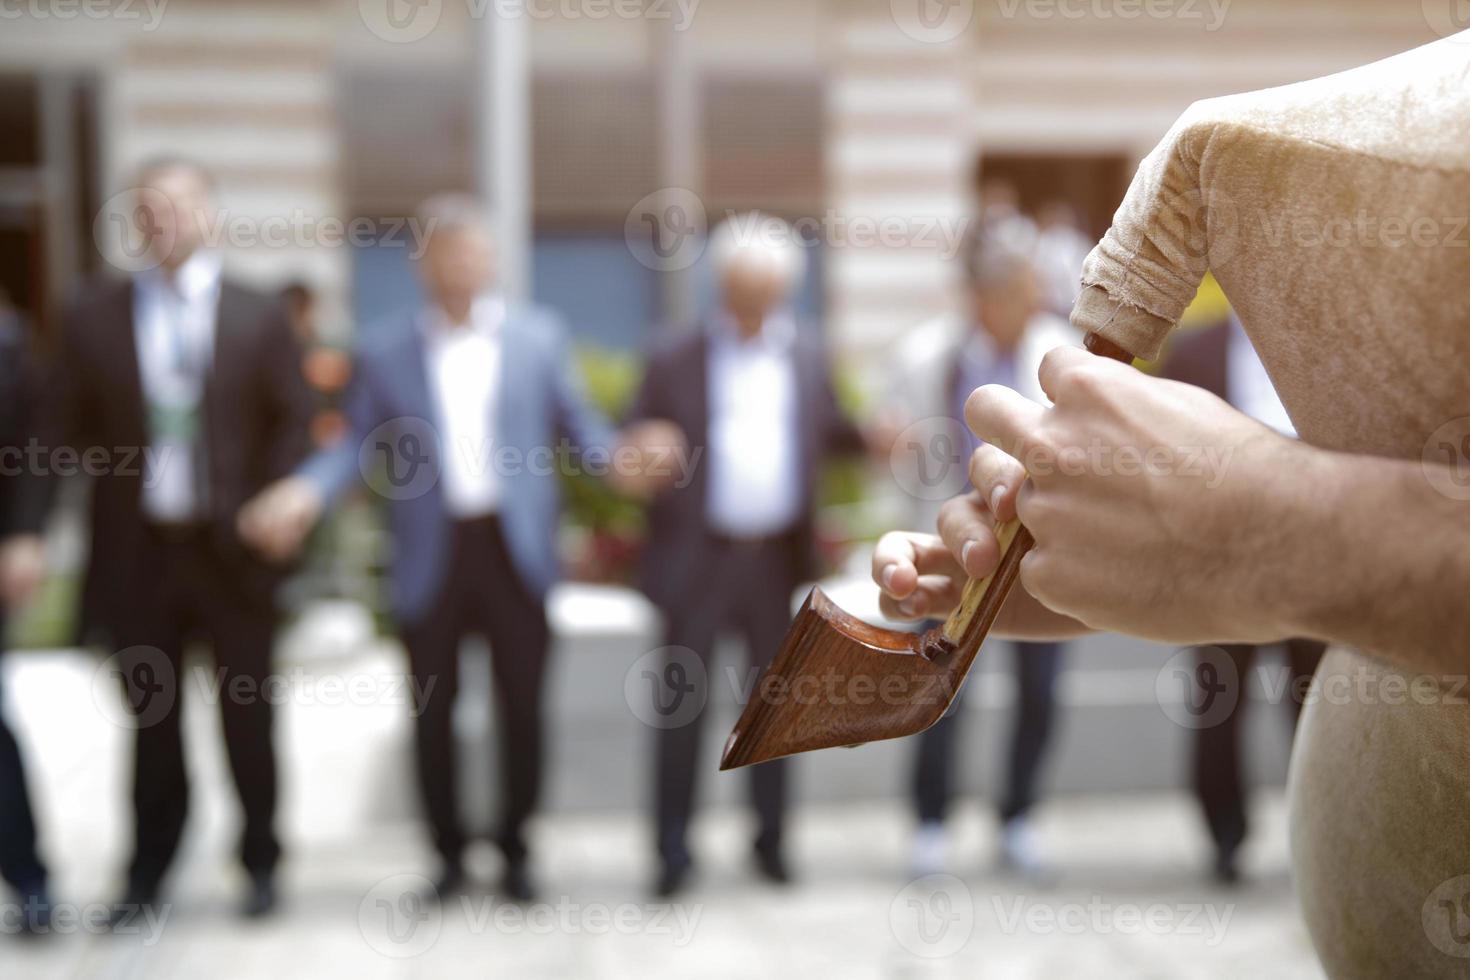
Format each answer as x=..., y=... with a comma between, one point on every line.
x=129, y=377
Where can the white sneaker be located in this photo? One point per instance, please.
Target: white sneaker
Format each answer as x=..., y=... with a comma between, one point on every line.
x=930, y=855
x=1020, y=851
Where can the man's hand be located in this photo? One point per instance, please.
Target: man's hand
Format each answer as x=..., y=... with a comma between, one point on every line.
x=1158, y=510
x=651, y=456
x=277, y=521
x=22, y=568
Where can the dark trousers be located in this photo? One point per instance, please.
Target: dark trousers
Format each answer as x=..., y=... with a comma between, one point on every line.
x=197, y=597
x=482, y=594
x=1036, y=667
x=20, y=865
x=748, y=591
x=1218, y=784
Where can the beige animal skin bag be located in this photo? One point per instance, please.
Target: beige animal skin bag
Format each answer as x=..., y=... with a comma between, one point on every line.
x=1334, y=214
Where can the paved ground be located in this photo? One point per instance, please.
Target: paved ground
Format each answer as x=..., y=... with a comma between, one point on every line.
x=1128, y=903
x=1130, y=900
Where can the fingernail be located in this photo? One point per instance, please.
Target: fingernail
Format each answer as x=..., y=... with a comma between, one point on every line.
x=887, y=577
x=965, y=553
x=996, y=496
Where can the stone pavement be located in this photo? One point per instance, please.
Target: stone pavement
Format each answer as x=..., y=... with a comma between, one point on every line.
x=1130, y=899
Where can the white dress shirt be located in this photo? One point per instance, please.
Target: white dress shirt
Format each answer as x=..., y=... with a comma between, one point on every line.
x=755, y=469
x=1249, y=386
x=174, y=319
x=464, y=378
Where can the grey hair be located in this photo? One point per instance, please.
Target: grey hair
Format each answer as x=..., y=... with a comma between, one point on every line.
x=1000, y=252
x=453, y=212
x=754, y=238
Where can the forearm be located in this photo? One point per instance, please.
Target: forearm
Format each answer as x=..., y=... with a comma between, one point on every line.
x=1375, y=558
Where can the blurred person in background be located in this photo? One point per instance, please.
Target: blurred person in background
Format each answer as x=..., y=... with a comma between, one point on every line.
x=204, y=377
x=1221, y=360
x=1061, y=248
x=463, y=398
x=999, y=339
x=22, y=572
x=753, y=397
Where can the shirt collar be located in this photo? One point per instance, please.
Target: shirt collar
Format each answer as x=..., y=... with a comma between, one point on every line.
x=196, y=279
x=777, y=332
x=487, y=315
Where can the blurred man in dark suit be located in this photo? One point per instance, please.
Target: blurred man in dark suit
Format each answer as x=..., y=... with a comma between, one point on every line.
x=465, y=401
x=729, y=544
x=1221, y=360
x=190, y=387
x=22, y=570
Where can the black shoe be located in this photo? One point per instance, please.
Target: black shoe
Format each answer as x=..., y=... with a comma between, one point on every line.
x=772, y=866
x=260, y=898
x=672, y=879
x=132, y=909
x=1226, y=870
x=515, y=883
x=450, y=883
x=35, y=911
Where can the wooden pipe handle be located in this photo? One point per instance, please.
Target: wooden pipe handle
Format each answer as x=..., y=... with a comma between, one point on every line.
x=982, y=598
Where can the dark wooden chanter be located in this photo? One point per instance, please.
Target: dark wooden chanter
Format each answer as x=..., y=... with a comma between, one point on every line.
x=838, y=681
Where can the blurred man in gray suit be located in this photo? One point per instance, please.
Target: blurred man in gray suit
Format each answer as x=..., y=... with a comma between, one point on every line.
x=463, y=415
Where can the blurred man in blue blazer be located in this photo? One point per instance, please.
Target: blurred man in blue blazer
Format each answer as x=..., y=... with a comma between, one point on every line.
x=463, y=416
